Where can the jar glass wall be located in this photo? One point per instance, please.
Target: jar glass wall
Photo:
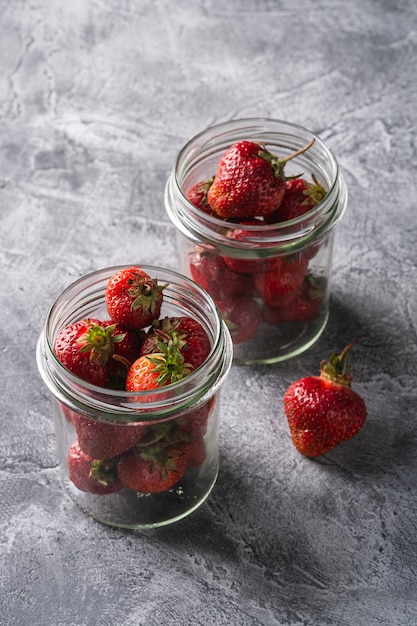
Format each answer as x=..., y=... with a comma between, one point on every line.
x=181, y=418
x=271, y=281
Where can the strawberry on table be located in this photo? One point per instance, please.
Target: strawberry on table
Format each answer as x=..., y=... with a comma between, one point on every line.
x=249, y=181
x=185, y=333
x=323, y=411
x=91, y=475
x=152, y=469
x=133, y=298
x=86, y=348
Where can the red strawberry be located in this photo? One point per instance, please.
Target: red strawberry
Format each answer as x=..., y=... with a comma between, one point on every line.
x=186, y=333
x=303, y=307
x=157, y=370
x=133, y=298
x=210, y=271
x=243, y=264
x=126, y=351
x=195, y=422
x=242, y=317
x=323, y=411
x=85, y=348
x=104, y=441
x=153, y=469
x=277, y=286
x=249, y=181
x=197, y=195
x=89, y=474
x=195, y=452
x=299, y=198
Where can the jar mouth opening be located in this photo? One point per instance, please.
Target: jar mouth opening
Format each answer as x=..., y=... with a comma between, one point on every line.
x=205, y=150
x=121, y=405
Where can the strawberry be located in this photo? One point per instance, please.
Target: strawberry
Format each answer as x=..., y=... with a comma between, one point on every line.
x=242, y=264
x=281, y=282
x=126, y=351
x=195, y=422
x=133, y=298
x=249, y=181
x=212, y=273
x=91, y=475
x=197, y=195
x=323, y=411
x=153, y=469
x=300, y=197
x=157, y=369
x=85, y=348
x=242, y=317
x=195, y=452
x=104, y=441
x=303, y=307
x=186, y=333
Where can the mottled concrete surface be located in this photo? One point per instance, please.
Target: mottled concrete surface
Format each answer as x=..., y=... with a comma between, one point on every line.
x=96, y=98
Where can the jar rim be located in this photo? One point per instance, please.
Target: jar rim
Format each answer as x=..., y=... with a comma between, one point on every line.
x=280, y=236
x=121, y=405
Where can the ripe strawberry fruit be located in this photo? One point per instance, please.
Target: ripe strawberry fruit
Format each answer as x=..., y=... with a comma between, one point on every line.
x=301, y=308
x=282, y=281
x=185, y=333
x=126, y=351
x=86, y=347
x=153, y=469
x=242, y=316
x=101, y=440
x=197, y=195
x=157, y=369
x=249, y=181
x=91, y=475
x=133, y=298
x=242, y=234
x=212, y=273
x=323, y=411
x=300, y=197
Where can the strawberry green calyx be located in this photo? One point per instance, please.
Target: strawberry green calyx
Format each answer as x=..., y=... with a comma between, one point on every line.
x=169, y=363
x=99, y=342
x=144, y=291
x=336, y=368
x=315, y=192
x=103, y=471
x=278, y=164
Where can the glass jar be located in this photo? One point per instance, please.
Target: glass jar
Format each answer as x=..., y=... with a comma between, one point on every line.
x=271, y=281
x=137, y=420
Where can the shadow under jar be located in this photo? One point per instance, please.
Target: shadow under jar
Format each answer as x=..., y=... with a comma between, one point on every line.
x=140, y=419
x=241, y=264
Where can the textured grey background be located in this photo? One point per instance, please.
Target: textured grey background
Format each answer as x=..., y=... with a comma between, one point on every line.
x=96, y=99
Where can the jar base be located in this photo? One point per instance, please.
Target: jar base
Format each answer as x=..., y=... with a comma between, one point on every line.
x=141, y=511
x=278, y=343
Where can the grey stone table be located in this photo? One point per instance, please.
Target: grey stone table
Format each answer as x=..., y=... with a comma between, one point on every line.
x=96, y=99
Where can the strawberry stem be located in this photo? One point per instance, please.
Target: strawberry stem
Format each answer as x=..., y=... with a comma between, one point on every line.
x=336, y=368
x=298, y=152
x=278, y=164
